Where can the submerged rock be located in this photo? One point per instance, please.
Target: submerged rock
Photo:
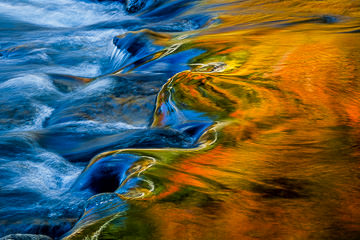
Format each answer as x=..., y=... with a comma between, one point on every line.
x=134, y=6
x=107, y=174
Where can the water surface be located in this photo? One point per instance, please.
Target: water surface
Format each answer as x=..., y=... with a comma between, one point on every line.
x=180, y=119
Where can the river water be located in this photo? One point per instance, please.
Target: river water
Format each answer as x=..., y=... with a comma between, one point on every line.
x=180, y=119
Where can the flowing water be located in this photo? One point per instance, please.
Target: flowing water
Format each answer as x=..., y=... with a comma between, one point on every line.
x=180, y=119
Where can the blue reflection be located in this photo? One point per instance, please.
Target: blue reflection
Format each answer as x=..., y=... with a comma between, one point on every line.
x=75, y=82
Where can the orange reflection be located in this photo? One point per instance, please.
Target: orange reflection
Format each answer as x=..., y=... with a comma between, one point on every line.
x=287, y=164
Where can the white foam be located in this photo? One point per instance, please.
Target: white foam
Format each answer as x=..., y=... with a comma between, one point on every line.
x=92, y=127
x=43, y=112
x=89, y=70
x=50, y=175
x=29, y=85
x=95, y=88
x=61, y=13
x=36, y=121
